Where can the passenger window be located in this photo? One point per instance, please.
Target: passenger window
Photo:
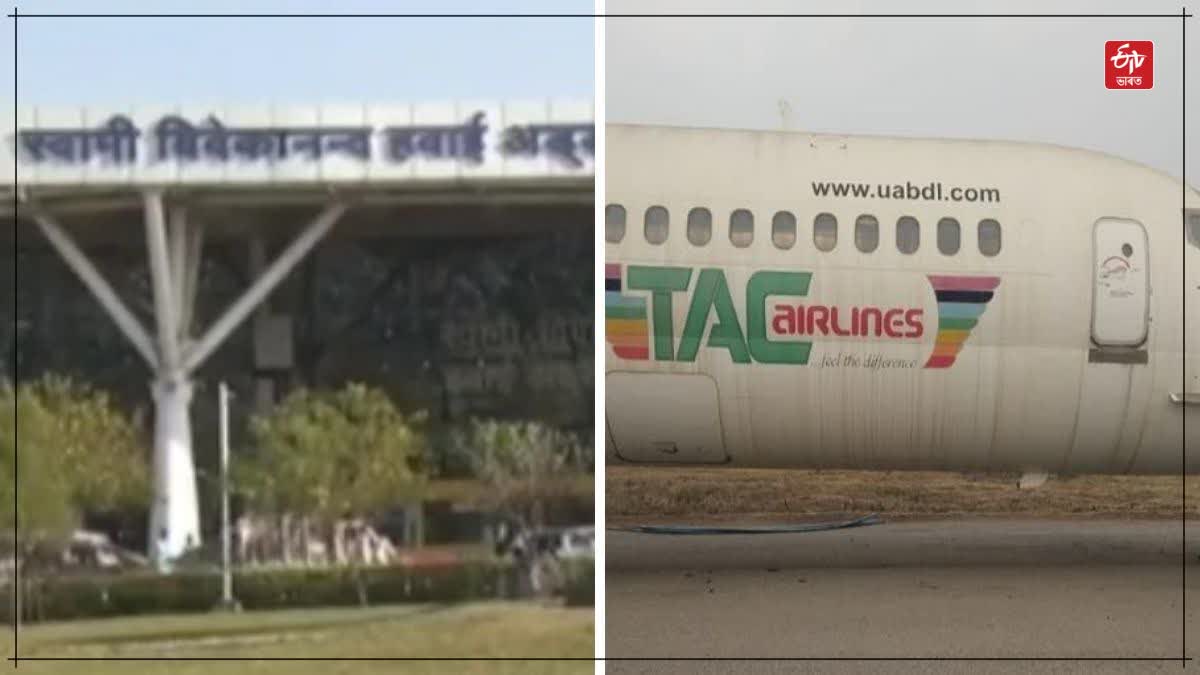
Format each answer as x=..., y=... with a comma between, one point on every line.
x=656, y=224
x=949, y=236
x=908, y=235
x=699, y=226
x=825, y=232
x=783, y=230
x=989, y=237
x=866, y=233
x=614, y=222
x=741, y=228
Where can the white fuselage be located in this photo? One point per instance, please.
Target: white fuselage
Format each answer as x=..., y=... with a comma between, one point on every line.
x=1049, y=337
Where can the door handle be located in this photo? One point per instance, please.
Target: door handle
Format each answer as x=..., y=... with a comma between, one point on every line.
x=1185, y=398
x=667, y=447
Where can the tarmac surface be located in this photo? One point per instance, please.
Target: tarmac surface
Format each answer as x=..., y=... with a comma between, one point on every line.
x=954, y=589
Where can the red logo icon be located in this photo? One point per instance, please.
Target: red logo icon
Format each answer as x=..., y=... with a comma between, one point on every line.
x=1129, y=64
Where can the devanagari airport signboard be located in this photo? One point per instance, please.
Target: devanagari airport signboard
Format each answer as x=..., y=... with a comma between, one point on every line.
x=327, y=144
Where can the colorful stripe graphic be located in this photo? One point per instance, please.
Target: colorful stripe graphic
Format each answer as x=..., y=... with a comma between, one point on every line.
x=961, y=301
x=625, y=325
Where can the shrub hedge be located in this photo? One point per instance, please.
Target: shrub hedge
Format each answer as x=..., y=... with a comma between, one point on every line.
x=581, y=580
x=53, y=599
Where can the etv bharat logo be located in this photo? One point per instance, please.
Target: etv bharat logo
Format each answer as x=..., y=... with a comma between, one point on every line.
x=1129, y=64
x=635, y=325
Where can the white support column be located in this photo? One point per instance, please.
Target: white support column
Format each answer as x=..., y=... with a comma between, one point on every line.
x=99, y=287
x=193, y=256
x=175, y=522
x=174, y=268
x=175, y=513
x=165, y=307
x=263, y=286
x=177, y=243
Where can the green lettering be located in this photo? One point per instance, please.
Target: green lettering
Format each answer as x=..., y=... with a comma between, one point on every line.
x=661, y=282
x=713, y=293
x=761, y=285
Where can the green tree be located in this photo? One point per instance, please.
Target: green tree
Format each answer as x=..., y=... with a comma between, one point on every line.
x=523, y=463
x=73, y=451
x=41, y=509
x=334, y=454
x=64, y=449
x=101, y=456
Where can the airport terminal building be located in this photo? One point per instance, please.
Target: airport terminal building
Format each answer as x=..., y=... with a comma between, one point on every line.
x=443, y=252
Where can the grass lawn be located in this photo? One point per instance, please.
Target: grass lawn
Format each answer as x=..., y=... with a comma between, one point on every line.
x=485, y=629
x=697, y=494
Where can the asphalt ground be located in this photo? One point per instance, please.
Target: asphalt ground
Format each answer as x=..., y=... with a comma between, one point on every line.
x=945, y=589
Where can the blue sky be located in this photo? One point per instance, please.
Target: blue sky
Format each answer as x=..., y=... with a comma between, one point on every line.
x=90, y=61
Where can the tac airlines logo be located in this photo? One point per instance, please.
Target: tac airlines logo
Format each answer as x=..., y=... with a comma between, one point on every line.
x=782, y=323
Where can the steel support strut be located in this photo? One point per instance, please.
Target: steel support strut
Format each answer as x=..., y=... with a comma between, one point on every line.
x=174, y=253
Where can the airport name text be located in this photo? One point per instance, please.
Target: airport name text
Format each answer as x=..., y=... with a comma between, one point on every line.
x=173, y=138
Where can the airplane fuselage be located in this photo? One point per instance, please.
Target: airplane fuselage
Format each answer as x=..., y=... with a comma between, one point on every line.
x=790, y=300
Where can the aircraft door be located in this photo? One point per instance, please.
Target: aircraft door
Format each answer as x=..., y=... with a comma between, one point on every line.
x=665, y=417
x=1120, y=283
x=1117, y=358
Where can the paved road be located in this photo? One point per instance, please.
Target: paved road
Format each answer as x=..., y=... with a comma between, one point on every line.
x=973, y=588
